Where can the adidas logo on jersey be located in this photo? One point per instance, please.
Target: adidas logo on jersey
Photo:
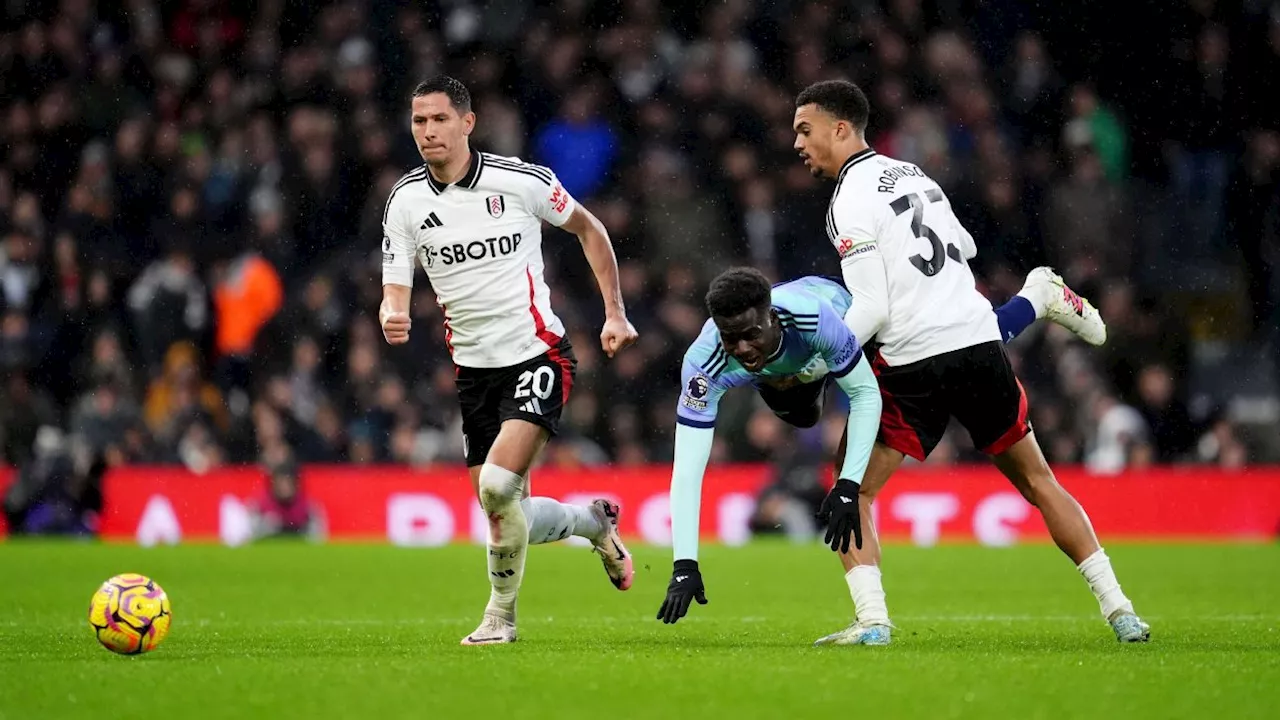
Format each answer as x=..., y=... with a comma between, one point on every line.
x=532, y=407
x=432, y=221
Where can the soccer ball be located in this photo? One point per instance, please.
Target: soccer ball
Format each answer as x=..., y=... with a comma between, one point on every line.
x=130, y=614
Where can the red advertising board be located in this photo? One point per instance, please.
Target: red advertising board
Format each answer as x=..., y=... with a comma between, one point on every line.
x=924, y=506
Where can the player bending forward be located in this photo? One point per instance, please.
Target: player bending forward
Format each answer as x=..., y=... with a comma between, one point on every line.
x=792, y=384
x=903, y=255
x=473, y=220
x=788, y=342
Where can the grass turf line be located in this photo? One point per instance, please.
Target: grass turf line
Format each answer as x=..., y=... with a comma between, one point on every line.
x=285, y=630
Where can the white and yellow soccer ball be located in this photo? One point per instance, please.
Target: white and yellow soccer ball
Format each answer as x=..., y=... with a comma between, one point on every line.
x=130, y=614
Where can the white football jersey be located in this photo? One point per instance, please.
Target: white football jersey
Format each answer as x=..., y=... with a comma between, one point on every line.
x=480, y=242
x=892, y=208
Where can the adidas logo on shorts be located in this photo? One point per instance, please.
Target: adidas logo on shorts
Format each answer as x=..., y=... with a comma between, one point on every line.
x=532, y=407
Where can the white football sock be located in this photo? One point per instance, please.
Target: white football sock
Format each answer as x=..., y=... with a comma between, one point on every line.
x=1097, y=571
x=500, y=491
x=551, y=520
x=868, y=594
x=1037, y=297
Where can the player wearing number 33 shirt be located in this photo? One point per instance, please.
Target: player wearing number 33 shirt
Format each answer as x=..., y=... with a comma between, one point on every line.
x=904, y=258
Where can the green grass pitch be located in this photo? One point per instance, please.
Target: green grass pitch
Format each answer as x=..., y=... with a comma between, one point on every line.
x=289, y=630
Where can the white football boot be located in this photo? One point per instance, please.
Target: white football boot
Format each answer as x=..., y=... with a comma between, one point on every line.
x=493, y=630
x=859, y=634
x=1063, y=306
x=1130, y=628
x=613, y=554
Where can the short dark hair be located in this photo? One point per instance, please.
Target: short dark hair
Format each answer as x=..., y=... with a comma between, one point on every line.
x=841, y=98
x=458, y=94
x=738, y=290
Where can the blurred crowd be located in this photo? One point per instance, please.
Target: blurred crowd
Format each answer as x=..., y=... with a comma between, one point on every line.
x=191, y=195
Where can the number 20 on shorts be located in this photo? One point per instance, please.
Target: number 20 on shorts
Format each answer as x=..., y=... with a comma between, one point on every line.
x=538, y=382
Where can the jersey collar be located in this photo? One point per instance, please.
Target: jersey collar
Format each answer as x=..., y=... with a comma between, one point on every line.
x=782, y=344
x=854, y=159
x=468, y=181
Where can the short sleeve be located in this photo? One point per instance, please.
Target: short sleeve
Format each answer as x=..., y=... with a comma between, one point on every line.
x=835, y=342
x=398, y=247
x=547, y=197
x=853, y=226
x=700, y=393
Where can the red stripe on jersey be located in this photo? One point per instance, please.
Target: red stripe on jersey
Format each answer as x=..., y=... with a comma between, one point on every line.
x=566, y=373
x=448, y=331
x=539, y=326
x=551, y=339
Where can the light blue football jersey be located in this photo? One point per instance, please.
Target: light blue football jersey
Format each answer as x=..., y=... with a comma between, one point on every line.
x=815, y=343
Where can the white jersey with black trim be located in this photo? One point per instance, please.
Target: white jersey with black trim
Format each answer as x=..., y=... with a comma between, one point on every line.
x=889, y=211
x=480, y=242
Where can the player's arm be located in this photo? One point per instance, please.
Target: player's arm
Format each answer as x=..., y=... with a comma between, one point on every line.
x=598, y=248
x=862, y=265
x=560, y=209
x=968, y=248
x=397, y=277
x=695, y=433
x=852, y=372
x=393, y=314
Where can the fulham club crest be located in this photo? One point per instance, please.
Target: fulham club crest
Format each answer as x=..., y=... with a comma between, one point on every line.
x=497, y=205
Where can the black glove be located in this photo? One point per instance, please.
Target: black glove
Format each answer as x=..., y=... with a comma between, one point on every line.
x=840, y=513
x=686, y=585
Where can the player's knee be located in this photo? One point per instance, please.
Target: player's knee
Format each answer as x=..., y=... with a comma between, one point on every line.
x=499, y=487
x=1035, y=485
x=867, y=493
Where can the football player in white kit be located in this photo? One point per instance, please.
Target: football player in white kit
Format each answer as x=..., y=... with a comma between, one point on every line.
x=904, y=259
x=473, y=220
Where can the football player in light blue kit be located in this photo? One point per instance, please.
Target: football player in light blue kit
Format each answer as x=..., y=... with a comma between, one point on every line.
x=788, y=341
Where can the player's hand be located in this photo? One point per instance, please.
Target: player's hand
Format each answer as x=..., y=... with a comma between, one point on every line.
x=685, y=586
x=618, y=333
x=840, y=513
x=395, y=328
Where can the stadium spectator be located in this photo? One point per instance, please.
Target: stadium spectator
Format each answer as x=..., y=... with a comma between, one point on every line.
x=1202, y=134
x=57, y=491
x=181, y=397
x=283, y=508
x=169, y=303
x=1253, y=222
x=1121, y=439
x=579, y=145
x=247, y=295
x=1172, y=430
x=108, y=422
x=1086, y=223
x=1096, y=126
x=24, y=410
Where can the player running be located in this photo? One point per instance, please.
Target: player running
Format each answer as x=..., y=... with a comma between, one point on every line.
x=473, y=221
x=788, y=342
x=903, y=256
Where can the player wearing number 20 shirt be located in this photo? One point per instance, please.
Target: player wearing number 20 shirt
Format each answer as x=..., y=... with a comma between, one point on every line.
x=473, y=221
x=481, y=246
